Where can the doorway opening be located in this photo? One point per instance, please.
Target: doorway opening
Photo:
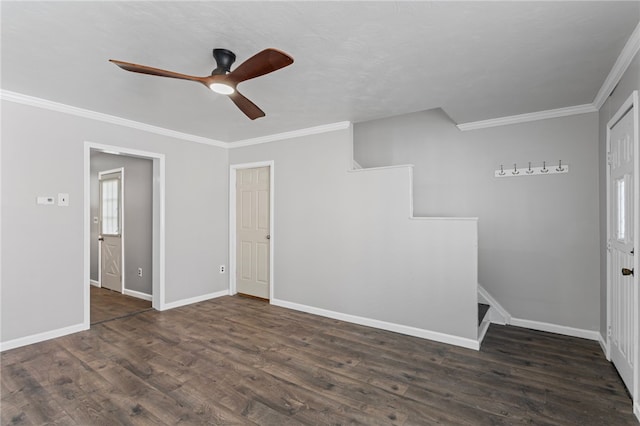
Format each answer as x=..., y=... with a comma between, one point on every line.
x=139, y=227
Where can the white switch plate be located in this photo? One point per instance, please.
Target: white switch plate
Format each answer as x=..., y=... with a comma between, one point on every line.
x=63, y=200
x=44, y=200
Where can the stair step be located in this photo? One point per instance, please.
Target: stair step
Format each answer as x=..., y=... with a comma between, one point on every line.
x=482, y=311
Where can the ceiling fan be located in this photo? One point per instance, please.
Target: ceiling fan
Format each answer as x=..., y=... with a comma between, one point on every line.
x=224, y=81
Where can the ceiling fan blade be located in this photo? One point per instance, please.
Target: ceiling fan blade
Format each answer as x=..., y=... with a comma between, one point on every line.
x=261, y=63
x=250, y=109
x=143, y=69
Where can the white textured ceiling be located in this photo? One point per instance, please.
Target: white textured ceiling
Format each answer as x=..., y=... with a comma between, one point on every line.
x=354, y=61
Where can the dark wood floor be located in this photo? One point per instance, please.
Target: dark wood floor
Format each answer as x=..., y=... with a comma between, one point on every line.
x=234, y=360
x=107, y=305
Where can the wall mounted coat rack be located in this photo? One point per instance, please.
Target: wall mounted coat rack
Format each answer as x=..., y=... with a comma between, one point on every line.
x=531, y=171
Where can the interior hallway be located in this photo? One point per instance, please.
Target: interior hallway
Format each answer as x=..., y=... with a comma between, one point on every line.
x=107, y=305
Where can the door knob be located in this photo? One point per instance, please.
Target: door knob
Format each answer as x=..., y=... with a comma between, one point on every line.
x=100, y=239
x=268, y=237
x=626, y=271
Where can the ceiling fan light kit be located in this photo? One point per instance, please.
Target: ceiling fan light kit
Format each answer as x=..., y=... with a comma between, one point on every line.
x=222, y=88
x=222, y=80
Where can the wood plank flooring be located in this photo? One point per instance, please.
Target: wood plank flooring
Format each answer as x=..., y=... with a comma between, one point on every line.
x=236, y=360
x=107, y=305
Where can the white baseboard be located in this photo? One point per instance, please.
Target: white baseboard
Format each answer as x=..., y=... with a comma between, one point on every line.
x=40, y=337
x=636, y=410
x=138, y=294
x=184, y=302
x=369, y=322
x=482, y=330
x=555, y=328
x=498, y=314
x=94, y=283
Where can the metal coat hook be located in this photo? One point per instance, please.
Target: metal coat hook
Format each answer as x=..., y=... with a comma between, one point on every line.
x=529, y=171
x=544, y=168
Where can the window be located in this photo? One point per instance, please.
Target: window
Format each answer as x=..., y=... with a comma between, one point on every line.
x=620, y=209
x=110, y=206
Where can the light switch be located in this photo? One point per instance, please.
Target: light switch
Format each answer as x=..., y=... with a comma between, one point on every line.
x=63, y=200
x=45, y=201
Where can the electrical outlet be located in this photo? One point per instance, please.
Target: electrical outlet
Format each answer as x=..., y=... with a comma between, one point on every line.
x=222, y=269
x=140, y=272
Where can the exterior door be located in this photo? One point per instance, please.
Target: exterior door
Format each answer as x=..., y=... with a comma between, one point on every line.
x=621, y=247
x=110, y=224
x=252, y=223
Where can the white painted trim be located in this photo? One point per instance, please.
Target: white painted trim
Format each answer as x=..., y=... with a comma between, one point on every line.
x=158, y=246
x=138, y=294
x=95, y=283
x=159, y=234
x=191, y=300
x=636, y=410
x=41, y=337
x=111, y=119
x=482, y=330
x=289, y=135
x=499, y=314
x=86, y=246
x=383, y=325
x=375, y=169
x=604, y=345
x=555, y=328
x=122, y=228
x=233, y=169
x=531, y=116
x=629, y=51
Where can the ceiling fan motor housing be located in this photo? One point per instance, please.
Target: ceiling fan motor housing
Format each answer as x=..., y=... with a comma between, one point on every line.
x=224, y=59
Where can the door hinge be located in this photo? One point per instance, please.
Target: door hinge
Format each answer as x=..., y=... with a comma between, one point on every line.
x=609, y=331
x=609, y=158
x=608, y=245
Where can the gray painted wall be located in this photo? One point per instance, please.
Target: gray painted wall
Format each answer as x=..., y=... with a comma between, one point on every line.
x=630, y=81
x=343, y=241
x=42, y=246
x=538, y=236
x=138, y=217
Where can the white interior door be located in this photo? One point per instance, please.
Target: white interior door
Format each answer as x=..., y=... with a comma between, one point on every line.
x=252, y=231
x=621, y=247
x=110, y=224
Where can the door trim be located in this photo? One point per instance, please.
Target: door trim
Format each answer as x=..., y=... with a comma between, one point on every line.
x=232, y=221
x=158, y=234
x=630, y=104
x=122, y=228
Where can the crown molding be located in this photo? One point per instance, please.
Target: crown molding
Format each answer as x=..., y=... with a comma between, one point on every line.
x=292, y=134
x=532, y=116
x=112, y=119
x=20, y=98
x=629, y=51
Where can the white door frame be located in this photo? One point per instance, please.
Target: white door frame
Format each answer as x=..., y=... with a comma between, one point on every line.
x=630, y=103
x=122, y=227
x=158, y=226
x=232, y=221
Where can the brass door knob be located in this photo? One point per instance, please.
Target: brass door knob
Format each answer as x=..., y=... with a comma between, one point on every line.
x=626, y=271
